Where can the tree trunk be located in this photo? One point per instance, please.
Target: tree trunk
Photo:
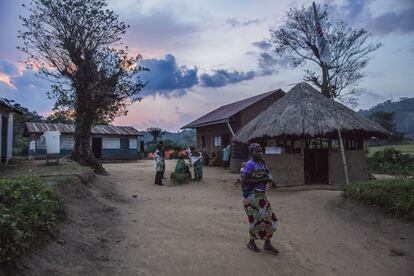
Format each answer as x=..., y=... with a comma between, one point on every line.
x=82, y=151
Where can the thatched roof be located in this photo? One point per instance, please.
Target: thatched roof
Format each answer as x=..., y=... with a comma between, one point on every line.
x=304, y=112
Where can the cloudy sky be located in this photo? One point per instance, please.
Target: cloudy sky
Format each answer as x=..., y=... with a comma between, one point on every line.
x=203, y=54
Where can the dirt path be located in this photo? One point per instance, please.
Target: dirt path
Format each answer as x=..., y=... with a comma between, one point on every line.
x=201, y=229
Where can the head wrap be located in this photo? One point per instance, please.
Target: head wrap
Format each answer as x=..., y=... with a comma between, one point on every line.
x=255, y=147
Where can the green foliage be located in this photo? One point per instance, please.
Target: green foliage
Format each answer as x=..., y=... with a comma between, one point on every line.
x=387, y=121
x=20, y=143
x=169, y=144
x=404, y=114
x=391, y=161
x=61, y=116
x=151, y=147
x=404, y=148
x=28, y=210
x=393, y=196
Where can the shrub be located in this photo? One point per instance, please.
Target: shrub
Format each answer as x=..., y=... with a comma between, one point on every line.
x=391, y=161
x=394, y=196
x=28, y=210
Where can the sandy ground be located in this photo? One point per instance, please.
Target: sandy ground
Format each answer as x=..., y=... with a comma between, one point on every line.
x=201, y=229
x=123, y=224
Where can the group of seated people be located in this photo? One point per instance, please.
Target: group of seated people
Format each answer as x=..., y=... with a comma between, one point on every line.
x=191, y=159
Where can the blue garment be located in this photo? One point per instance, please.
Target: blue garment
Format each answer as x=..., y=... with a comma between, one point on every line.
x=250, y=168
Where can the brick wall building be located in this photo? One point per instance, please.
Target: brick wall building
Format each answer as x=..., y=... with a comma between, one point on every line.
x=215, y=129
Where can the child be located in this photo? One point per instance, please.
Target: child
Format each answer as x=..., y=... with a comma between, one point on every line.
x=159, y=166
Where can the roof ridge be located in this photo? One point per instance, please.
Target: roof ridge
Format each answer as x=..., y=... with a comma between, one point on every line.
x=228, y=113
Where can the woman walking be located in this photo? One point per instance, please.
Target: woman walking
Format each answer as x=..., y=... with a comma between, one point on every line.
x=159, y=166
x=262, y=220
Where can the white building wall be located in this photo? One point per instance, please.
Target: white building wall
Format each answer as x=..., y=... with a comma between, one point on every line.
x=133, y=143
x=111, y=143
x=40, y=144
x=67, y=142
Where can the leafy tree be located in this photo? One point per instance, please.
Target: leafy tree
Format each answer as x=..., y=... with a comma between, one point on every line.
x=20, y=143
x=156, y=133
x=73, y=43
x=387, y=121
x=349, y=47
x=61, y=116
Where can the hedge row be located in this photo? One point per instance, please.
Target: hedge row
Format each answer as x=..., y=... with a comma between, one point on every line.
x=393, y=196
x=28, y=210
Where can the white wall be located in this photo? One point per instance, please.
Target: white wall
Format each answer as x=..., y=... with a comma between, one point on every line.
x=111, y=143
x=133, y=143
x=67, y=142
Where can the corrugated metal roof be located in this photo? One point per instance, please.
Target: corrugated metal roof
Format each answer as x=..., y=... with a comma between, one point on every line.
x=70, y=128
x=7, y=104
x=222, y=114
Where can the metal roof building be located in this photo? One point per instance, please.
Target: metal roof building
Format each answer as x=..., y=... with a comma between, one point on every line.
x=216, y=129
x=107, y=141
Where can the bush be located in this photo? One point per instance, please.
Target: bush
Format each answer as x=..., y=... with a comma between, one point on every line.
x=394, y=196
x=391, y=161
x=28, y=210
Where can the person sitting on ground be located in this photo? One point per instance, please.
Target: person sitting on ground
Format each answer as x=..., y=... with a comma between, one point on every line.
x=262, y=220
x=159, y=165
x=182, y=173
x=196, y=163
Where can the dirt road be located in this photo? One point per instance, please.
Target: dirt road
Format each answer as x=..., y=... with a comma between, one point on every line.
x=201, y=229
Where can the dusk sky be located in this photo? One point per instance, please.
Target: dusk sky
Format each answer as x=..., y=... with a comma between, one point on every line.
x=204, y=54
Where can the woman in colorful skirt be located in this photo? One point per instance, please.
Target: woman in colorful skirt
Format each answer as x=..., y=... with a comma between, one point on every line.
x=262, y=220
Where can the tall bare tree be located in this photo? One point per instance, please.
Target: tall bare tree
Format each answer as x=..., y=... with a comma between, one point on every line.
x=155, y=132
x=76, y=45
x=350, y=49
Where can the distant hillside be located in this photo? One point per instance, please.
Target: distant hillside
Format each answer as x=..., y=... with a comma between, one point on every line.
x=404, y=114
x=186, y=137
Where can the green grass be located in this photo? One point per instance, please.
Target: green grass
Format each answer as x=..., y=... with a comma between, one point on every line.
x=406, y=148
x=393, y=196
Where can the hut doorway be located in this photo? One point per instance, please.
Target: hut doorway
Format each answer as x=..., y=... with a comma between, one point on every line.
x=316, y=166
x=4, y=128
x=97, y=147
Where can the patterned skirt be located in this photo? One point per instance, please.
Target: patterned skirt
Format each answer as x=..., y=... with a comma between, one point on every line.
x=263, y=222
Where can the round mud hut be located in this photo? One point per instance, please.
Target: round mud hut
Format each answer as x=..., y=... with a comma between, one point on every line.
x=300, y=136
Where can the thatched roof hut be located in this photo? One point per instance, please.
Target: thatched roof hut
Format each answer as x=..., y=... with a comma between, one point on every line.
x=304, y=112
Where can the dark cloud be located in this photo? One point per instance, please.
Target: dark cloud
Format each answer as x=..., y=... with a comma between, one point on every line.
x=389, y=22
x=358, y=13
x=268, y=64
x=262, y=45
x=237, y=22
x=158, y=28
x=166, y=77
x=223, y=77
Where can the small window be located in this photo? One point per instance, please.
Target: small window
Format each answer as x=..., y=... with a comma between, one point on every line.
x=124, y=143
x=217, y=141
